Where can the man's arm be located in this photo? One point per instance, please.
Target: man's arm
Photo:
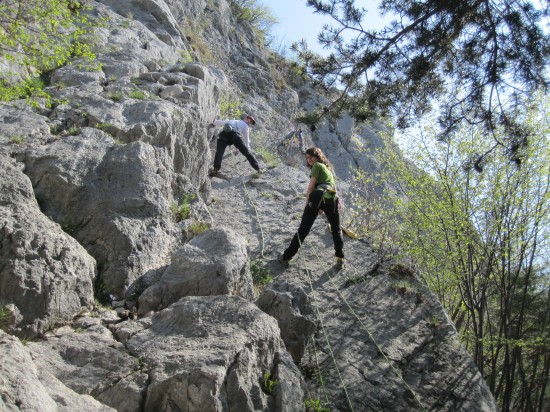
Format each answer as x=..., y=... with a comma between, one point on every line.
x=246, y=136
x=219, y=122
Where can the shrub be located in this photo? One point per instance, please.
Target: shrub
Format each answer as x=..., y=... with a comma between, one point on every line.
x=315, y=405
x=271, y=159
x=268, y=384
x=230, y=105
x=137, y=94
x=261, y=275
x=183, y=210
x=17, y=139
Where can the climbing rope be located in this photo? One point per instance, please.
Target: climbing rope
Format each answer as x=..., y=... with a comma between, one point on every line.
x=320, y=319
x=257, y=218
x=319, y=316
x=262, y=249
x=321, y=381
x=371, y=337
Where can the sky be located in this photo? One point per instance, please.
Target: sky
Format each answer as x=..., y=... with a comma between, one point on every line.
x=297, y=21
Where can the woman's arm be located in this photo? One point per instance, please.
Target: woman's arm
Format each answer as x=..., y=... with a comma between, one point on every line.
x=310, y=187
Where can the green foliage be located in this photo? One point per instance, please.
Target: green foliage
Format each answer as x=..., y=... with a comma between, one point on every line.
x=477, y=233
x=102, y=126
x=198, y=227
x=315, y=405
x=4, y=313
x=30, y=89
x=231, y=104
x=444, y=54
x=137, y=94
x=17, y=139
x=30, y=37
x=403, y=287
x=271, y=159
x=261, y=275
x=115, y=96
x=257, y=14
x=268, y=384
x=140, y=363
x=285, y=71
x=308, y=118
x=30, y=32
x=186, y=56
x=73, y=130
x=182, y=210
x=67, y=226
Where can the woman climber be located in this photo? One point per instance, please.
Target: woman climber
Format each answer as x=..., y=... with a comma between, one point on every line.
x=320, y=197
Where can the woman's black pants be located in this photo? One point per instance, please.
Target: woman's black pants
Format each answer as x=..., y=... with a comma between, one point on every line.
x=330, y=208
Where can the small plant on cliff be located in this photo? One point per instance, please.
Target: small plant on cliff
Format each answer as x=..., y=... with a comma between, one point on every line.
x=268, y=384
x=193, y=229
x=115, y=96
x=404, y=287
x=258, y=15
x=315, y=405
x=137, y=94
x=271, y=159
x=4, y=313
x=17, y=139
x=261, y=275
x=183, y=210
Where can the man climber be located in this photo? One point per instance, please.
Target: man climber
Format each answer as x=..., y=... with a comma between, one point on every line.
x=233, y=133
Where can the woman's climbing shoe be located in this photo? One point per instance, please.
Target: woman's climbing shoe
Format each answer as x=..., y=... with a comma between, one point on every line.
x=340, y=263
x=282, y=260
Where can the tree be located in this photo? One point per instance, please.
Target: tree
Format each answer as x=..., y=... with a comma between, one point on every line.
x=260, y=16
x=480, y=241
x=474, y=58
x=39, y=35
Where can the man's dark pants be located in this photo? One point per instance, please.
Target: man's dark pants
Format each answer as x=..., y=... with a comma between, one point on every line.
x=232, y=138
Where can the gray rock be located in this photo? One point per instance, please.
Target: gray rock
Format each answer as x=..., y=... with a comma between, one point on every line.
x=112, y=198
x=45, y=274
x=26, y=387
x=211, y=354
x=290, y=305
x=213, y=263
x=20, y=387
x=90, y=362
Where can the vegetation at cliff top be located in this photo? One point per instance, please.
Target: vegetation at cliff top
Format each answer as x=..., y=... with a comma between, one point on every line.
x=40, y=36
x=480, y=241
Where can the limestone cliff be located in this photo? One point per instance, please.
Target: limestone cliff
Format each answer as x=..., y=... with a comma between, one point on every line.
x=127, y=273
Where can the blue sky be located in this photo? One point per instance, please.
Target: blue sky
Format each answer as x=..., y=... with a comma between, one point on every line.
x=297, y=21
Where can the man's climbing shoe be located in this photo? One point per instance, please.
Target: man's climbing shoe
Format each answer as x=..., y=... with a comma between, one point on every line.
x=340, y=263
x=282, y=260
x=214, y=172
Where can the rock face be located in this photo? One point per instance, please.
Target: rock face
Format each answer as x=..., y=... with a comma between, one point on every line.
x=24, y=386
x=105, y=199
x=213, y=263
x=45, y=276
x=211, y=354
